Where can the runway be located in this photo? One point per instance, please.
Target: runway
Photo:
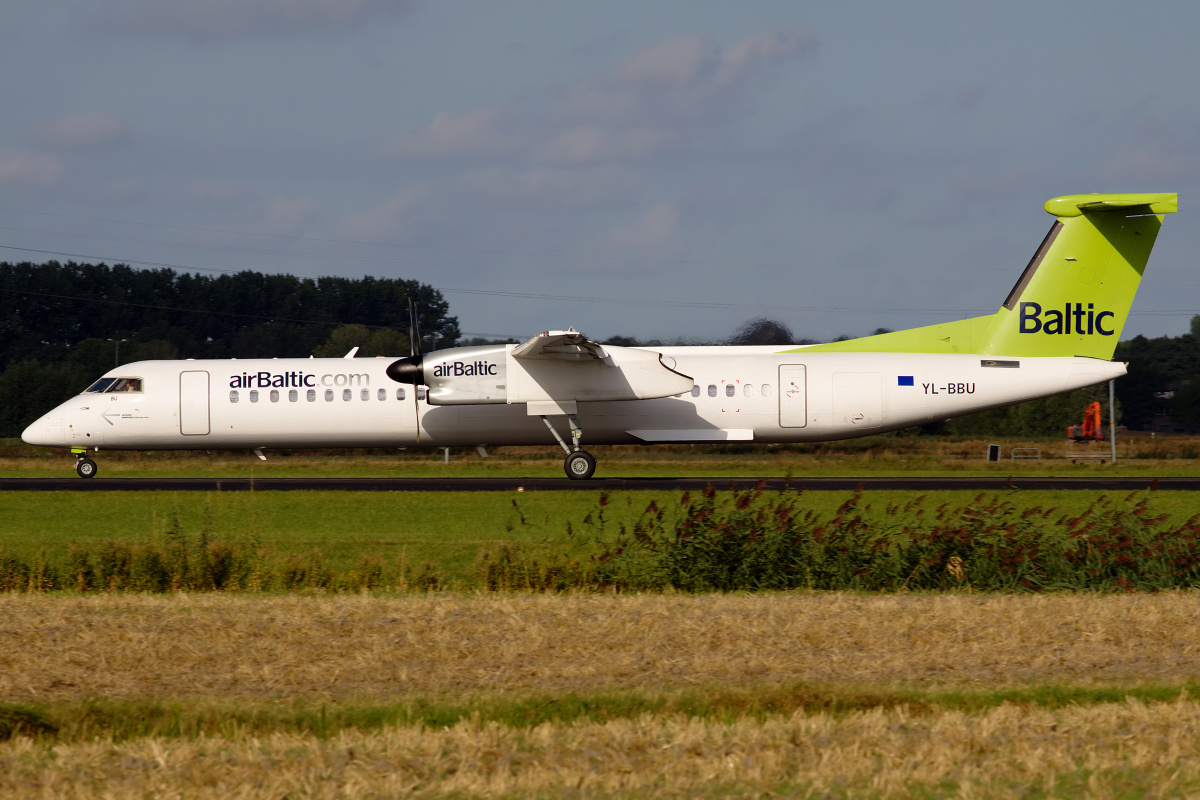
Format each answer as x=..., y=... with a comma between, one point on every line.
x=594, y=485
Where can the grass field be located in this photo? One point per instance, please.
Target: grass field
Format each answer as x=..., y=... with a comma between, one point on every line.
x=588, y=695
x=874, y=455
x=407, y=529
x=360, y=694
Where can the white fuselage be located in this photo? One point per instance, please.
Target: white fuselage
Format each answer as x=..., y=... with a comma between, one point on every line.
x=741, y=394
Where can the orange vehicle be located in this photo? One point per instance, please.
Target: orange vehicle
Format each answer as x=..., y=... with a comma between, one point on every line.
x=1090, y=429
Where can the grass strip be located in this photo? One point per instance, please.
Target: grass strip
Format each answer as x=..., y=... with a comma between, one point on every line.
x=122, y=720
x=695, y=542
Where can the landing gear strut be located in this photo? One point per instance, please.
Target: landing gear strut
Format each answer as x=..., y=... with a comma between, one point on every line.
x=579, y=464
x=85, y=467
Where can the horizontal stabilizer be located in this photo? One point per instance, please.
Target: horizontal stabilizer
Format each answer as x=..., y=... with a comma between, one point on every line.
x=1075, y=204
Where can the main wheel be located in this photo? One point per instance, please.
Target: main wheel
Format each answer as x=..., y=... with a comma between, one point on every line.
x=86, y=468
x=579, y=465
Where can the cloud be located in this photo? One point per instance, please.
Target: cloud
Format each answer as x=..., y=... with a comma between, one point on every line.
x=389, y=218
x=287, y=215
x=217, y=20
x=655, y=228
x=681, y=81
x=673, y=62
x=544, y=187
x=591, y=143
x=80, y=131
x=452, y=208
x=456, y=134
x=29, y=168
x=651, y=101
x=585, y=144
x=771, y=47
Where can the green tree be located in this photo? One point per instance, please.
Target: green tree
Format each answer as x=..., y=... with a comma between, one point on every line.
x=370, y=342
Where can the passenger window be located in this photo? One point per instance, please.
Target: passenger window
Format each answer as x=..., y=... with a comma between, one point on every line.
x=329, y=395
x=695, y=390
x=399, y=393
x=293, y=395
x=347, y=394
x=712, y=390
x=254, y=395
x=366, y=394
x=311, y=394
x=233, y=395
x=383, y=394
x=766, y=390
x=274, y=395
x=730, y=390
x=749, y=390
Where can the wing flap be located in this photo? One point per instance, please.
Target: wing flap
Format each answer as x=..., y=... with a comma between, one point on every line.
x=695, y=435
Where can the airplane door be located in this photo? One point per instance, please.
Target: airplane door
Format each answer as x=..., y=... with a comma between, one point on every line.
x=193, y=403
x=793, y=396
x=858, y=399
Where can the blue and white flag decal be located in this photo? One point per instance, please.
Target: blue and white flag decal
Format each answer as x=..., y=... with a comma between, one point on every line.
x=904, y=380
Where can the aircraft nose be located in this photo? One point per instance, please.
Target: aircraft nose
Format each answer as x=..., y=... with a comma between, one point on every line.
x=46, y=431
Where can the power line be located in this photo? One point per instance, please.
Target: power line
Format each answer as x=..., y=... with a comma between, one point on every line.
x=586, y=299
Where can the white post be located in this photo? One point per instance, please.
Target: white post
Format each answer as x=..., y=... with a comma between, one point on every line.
x=1112, y=418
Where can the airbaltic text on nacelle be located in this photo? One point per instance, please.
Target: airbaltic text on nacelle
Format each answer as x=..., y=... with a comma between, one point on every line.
x=298, y=380
x=1087, y=321
x=459, y=368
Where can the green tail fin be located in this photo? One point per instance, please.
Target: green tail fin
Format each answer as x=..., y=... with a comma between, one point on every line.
x=1072, y=299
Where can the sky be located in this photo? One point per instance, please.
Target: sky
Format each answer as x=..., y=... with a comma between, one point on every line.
x=648, y=168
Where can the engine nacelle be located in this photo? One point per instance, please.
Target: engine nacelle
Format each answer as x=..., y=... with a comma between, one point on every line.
x=492, y=374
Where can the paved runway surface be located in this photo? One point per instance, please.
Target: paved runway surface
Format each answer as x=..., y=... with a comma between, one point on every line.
x=564, y=484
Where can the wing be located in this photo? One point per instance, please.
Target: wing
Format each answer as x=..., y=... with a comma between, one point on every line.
x=568, y=345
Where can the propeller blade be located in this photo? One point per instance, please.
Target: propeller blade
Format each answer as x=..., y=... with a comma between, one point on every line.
x=414, y=341
x=414, y=333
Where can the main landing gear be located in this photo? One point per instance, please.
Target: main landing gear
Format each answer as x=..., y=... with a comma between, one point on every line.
x=579, y=464
x=85, y=467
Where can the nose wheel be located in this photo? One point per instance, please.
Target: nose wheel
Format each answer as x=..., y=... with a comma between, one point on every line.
x=579, y=465
x=85, y=467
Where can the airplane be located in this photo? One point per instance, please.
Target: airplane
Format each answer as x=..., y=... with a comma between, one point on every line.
x=1055, y=332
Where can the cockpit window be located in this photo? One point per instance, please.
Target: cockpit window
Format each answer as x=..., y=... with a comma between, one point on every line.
x=110, y=385
x=125, y=385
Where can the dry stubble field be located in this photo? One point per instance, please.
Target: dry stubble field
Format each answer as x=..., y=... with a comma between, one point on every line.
x=716, y=695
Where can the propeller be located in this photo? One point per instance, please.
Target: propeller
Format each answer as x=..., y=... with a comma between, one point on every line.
x=411, y=370
x=414, y=335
